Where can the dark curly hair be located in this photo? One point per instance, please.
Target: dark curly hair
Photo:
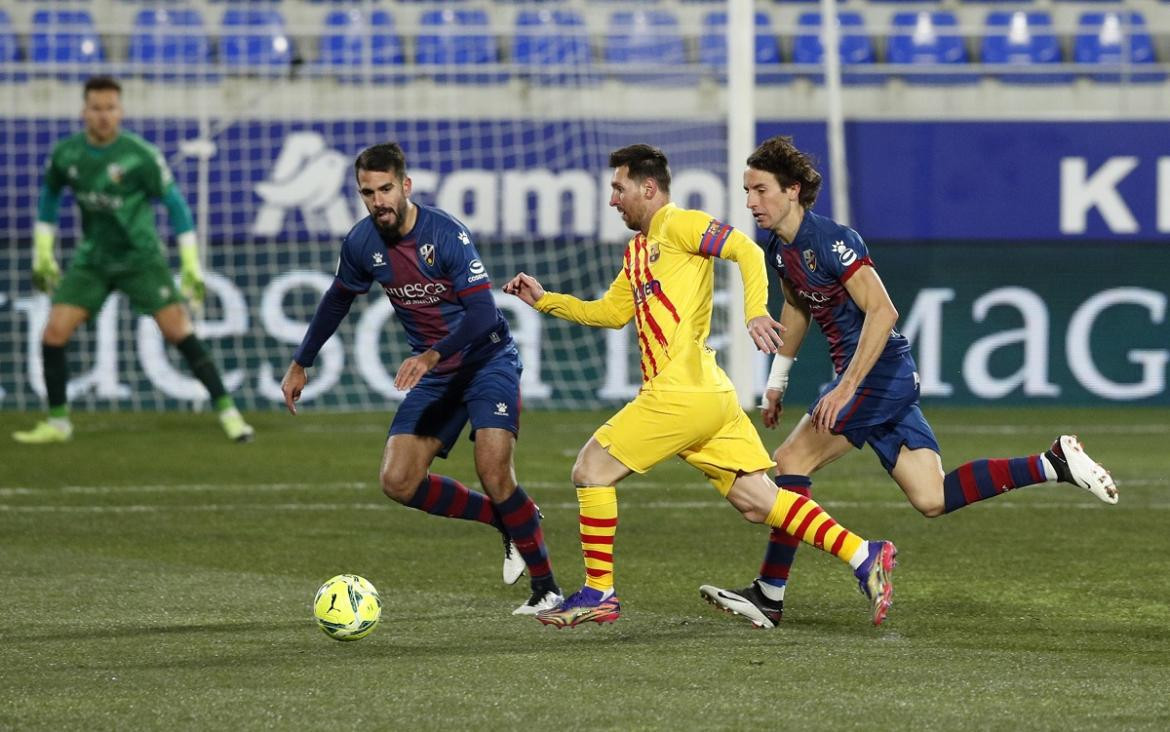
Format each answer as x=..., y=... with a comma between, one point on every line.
x=778, y=156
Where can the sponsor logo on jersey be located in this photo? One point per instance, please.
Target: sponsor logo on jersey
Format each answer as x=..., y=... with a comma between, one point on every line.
x=416, y=293
x=115, y=172
x=810, y=260
x=476, y=271
x=501, y=409
x=72, y=172
x=816, y=300
x=427, y=252
x=844, y=253
x=96, y=201
x=379, y=259
x=780, y=261
x=647, y=291
x=463, y=237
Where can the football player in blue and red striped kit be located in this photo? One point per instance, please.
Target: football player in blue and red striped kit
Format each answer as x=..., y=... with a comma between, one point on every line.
x=828, y=277
x=464, y=365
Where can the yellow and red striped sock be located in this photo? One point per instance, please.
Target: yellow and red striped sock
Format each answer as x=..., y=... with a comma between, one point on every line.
x=598, y=519
x=802, y=517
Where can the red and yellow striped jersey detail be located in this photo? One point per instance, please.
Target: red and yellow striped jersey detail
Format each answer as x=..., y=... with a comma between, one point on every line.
x=666, y=286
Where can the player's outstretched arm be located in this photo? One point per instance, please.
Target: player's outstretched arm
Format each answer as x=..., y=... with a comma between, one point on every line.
x=292, y=385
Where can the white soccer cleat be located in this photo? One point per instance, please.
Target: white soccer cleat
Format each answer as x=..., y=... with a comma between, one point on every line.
x=750, y=602
x=540, y=601
x=514, y=564
x=1073, y=465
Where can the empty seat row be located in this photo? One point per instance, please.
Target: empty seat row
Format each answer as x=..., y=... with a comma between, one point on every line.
x=550, y=45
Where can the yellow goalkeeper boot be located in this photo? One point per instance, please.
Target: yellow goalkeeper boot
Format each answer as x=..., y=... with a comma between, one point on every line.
x=234, y=426
x=49, y=431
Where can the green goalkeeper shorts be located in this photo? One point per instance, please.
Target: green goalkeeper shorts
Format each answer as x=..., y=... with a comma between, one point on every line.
x=148, y=284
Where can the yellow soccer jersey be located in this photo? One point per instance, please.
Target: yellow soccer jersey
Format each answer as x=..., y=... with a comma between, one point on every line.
x=666, y=286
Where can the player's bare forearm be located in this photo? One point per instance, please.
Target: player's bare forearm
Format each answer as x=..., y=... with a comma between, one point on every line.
x=292, y=384
x=795, y=320
x=881, y=316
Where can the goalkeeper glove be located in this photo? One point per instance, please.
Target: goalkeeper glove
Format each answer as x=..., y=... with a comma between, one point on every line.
x=46, y=274
x=190, y=272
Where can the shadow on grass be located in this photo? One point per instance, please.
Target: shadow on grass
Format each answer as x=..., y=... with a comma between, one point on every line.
x=145, y=631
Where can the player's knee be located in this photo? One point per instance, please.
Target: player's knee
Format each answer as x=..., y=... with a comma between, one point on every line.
x=497, y=481
x=399, y=485
x=928, y=506
x=55, y=336
x=790, y=463
x=581, y=475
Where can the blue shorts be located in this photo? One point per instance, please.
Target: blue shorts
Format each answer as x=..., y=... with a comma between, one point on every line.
x=884, y=412
x=488, y=394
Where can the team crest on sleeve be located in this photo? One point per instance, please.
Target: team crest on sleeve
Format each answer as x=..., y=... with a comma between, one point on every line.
x=653, y=252
x=844, y=253
x=810, y=260
x=427, y=252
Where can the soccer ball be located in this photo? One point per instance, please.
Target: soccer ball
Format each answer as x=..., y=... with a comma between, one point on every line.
x=347, y=607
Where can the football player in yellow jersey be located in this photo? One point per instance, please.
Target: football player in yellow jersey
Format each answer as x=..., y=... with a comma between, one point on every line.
x=687, y=406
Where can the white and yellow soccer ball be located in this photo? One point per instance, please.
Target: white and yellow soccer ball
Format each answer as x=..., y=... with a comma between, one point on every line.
x=347, y=607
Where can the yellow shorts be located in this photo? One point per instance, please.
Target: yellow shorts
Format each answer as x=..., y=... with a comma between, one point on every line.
x=707, y=429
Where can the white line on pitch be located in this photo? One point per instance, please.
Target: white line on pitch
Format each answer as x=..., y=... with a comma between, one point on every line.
x=560, y=506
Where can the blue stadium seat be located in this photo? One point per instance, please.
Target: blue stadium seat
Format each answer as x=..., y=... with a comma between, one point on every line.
x=170, y=44
x=1099, y=42
x=458, y=37
x=646, y=41
x=928, y=38
x=254, y=41
x=351, y=43
x=66, y=43
x=552, y=47
x=1021, y=40
x=856, y=47
x=713, y=48
x=9, y=51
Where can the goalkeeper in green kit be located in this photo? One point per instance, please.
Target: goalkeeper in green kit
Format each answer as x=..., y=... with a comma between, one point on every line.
x=116, y=177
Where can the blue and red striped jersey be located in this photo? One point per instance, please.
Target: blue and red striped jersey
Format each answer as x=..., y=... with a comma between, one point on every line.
x=816, y=264
x=424, y=275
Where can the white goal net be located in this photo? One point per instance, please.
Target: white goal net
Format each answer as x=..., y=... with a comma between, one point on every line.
x=507, y=113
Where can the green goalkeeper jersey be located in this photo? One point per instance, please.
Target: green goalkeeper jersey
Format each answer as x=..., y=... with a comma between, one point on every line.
x=115, y=187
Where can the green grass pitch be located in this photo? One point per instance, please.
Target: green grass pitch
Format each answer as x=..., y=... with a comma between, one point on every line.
x=156, y=576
